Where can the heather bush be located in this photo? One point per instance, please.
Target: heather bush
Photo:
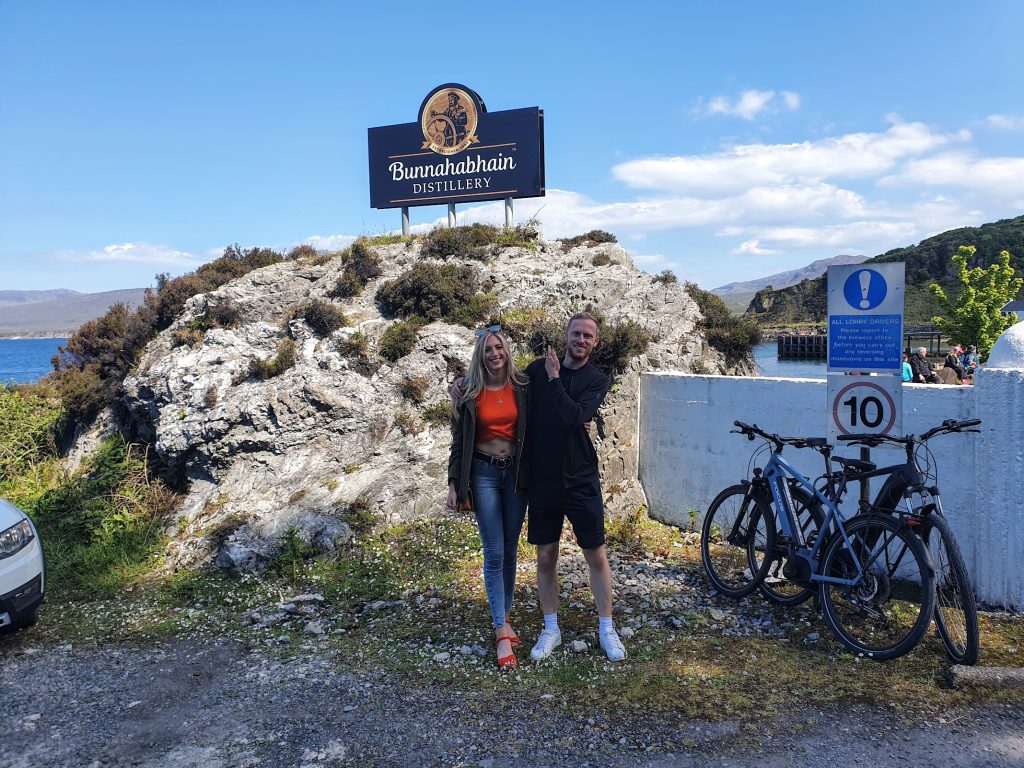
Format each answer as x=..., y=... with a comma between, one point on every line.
x=432, y=291
x=283, y=359
x=323, y=317
x=735, y=337
x=593, y=237
x=399, y=338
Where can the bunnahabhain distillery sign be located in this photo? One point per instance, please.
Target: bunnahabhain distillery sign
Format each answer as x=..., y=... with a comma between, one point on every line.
x=457, y=152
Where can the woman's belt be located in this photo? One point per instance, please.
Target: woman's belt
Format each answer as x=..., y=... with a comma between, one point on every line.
x=501, y=462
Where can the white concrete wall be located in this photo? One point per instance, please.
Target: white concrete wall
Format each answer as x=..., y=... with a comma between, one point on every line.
x=687, y=454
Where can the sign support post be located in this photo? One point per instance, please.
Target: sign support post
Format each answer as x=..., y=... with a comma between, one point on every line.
x=508, y=211
x=451, y=214
x=405, y=221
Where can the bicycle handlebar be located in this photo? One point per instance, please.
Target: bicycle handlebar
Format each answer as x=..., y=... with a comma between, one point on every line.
x=946, y=427
x=752, y=431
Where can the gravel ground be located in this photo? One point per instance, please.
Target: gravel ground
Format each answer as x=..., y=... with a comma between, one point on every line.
x=218, y=705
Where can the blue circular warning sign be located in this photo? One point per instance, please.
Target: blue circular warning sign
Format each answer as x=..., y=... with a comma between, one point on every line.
x=865, y=289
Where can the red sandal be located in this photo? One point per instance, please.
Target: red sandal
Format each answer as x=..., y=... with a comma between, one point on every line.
x=506, y=662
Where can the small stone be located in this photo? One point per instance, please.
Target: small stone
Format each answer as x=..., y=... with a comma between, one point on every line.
x=442, y=657
x=310, y=598
x=349, y=707
x=547, y=696
x=716, y=614
x=479, y=651
x=465, y=650
x=579, y=646
x=33, y=718
x=626, y=632
x=813, y=636
x=313, y=628
x=134, y=704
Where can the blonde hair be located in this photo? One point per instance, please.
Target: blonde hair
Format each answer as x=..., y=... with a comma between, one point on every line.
x=476, y=376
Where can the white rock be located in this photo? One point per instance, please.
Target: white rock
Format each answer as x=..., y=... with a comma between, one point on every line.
x=294, y=451
x=313, y=628
x=579, y=646
x=626, y=632
x=442, y=657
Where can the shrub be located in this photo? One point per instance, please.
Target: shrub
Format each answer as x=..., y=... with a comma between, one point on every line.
x=620, y=343
x=601, y=260
x=593, y=237
x=223, y=314
x=468, y=242
x=432, y=291
x=439, y=414
x=357, y=349
x=733, y=336
x=359, y=517
x=278, y=364
x=361, y=266
x=399, y=338
x=304, y=251
x=100, y=528
x=408, y=423
x=666, y=277
x=323, y=317
x=414, y=388
x=27, y=416
x=187, y=337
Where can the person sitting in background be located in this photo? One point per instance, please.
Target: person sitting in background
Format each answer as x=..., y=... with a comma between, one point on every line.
x=908, y=375
x=953, y=361
x=969, y=360
x=922, y=369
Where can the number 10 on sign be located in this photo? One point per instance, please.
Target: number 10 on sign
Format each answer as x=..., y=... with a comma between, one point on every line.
x=864, y=405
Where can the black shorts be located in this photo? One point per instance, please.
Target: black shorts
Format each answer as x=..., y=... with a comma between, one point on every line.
x=582, y=505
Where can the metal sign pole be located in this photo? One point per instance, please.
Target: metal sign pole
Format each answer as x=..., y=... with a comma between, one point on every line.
x=451, y=214
x=508, y=211
x=405, y=221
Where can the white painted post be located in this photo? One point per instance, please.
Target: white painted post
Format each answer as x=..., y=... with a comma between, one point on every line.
x=508, y=211
x=995, y=505
x=405, y=221
x=451, y=214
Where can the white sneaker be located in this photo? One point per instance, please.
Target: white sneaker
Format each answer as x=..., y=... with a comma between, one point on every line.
x=546, y=643
x=612, y=645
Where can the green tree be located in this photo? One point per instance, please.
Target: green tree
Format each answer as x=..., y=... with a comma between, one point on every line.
x=973, y=316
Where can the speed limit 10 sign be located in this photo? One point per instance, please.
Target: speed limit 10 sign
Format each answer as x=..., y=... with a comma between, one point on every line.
x=864, y=405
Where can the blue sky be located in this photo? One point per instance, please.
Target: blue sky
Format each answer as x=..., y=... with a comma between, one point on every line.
x=723, y=141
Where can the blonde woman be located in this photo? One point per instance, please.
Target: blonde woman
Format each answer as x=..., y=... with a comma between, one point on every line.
x=488, y=430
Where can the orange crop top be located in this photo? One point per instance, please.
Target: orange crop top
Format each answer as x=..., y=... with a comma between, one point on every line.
x=496, y=414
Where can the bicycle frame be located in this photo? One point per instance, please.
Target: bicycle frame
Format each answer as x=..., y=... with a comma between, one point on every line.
x=776, y=472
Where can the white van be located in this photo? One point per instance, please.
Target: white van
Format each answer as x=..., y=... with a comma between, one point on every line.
x=22, y=573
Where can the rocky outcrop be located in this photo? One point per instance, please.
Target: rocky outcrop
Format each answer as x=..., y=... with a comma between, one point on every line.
x=297, y=450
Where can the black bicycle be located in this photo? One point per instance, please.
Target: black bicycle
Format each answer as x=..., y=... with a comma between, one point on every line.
x=911, y=491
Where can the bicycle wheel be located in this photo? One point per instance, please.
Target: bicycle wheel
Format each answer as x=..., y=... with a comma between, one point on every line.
x=889, y=607
x=737, y=519
x=776, y=586
x=956, y=613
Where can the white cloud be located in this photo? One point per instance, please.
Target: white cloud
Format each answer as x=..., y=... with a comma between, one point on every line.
x=330, y=242
x=136, y=253
x=1006, y=122
x=853, y=155
x=999, y=176
x=754, y=247
x=859, y=236
x=749, y=104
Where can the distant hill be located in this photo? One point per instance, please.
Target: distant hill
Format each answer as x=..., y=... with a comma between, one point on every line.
x=17, y=298
x=57, y=312
x=926, y=263
x=737, y=296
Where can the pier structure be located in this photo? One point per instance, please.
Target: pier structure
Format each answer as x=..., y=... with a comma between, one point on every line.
x=814, y=346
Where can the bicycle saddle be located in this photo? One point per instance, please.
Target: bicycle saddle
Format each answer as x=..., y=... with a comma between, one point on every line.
x=857, y=465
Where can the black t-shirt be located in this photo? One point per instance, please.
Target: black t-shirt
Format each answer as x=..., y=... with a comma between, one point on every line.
x=547, y=465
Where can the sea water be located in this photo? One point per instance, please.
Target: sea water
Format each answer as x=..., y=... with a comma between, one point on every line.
x=768, y=364
x=26, y=360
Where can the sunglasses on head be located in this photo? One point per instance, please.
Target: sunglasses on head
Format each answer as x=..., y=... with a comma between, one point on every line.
x=492, y=329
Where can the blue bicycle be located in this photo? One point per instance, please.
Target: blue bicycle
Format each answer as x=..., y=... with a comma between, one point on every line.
x=872, y=573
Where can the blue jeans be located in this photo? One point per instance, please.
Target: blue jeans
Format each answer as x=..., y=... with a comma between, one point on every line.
x=499, y=516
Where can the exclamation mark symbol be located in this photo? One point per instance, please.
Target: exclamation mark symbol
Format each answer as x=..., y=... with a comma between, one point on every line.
x=865, y=283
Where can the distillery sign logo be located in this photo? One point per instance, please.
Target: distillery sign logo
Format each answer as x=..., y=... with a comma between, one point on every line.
x=457, y=152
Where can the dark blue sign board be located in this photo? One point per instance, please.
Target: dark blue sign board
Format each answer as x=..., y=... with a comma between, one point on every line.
x=865, y=317
x=457, y=152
